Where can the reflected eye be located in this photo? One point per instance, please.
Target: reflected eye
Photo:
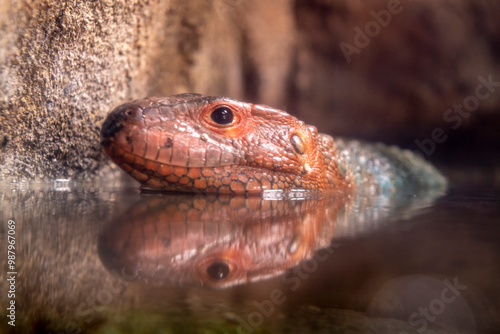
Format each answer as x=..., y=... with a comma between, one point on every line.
x=222, y=115
x=294, y=244
x=218, y=270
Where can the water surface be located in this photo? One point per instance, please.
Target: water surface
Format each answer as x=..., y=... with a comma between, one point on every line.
x=110, y=258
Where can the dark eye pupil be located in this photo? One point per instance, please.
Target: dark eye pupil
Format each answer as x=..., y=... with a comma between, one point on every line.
x=222, y=116
x=218, y=270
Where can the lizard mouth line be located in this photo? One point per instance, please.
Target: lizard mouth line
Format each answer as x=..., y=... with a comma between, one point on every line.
x=185, y=156
x=121, y=155
x=214, y=179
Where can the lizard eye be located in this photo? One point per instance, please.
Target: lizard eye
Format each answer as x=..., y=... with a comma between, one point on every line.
x=227, y=119
x=222, y=115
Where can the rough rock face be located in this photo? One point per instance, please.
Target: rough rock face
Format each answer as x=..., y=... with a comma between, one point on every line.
x=65, y=64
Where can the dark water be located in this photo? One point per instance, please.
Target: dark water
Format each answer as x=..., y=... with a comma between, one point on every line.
x=107, y=258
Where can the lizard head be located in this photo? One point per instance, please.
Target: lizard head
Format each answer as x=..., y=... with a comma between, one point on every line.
x=191, y=142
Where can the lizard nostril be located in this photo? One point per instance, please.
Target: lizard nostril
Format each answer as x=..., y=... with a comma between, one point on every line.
x=114, y=123
x=109, y=129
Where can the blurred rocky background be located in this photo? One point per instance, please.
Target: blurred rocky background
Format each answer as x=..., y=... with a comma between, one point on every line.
x=402, y=72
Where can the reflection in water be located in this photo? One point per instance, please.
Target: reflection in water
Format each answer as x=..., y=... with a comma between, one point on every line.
x=214, y=241
x=387, y=266
x=218, y=242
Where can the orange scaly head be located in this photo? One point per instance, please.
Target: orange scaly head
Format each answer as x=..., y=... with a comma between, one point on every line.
x=191, y=142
